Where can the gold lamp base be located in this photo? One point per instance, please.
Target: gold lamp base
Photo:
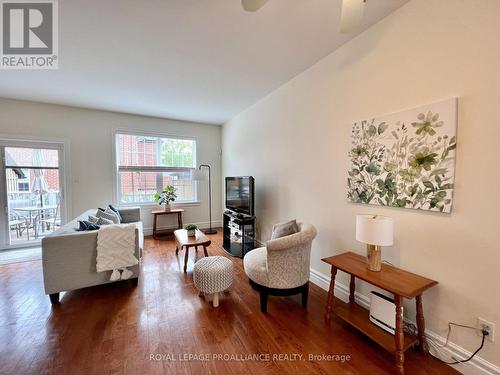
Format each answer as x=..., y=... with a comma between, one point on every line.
x=374, y=257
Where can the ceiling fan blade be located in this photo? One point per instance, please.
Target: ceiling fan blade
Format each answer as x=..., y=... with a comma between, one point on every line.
x=351, y=15
x=253, y=5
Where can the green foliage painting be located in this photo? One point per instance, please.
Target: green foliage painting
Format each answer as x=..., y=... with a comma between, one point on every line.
x=405, y=160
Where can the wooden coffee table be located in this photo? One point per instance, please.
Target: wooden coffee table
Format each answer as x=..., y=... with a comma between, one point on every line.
x=184, y=242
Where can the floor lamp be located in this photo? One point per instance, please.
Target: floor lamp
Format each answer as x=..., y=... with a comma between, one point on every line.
x=198, y=175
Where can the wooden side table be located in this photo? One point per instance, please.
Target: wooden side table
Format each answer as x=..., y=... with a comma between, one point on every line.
x=400, y=283
x=156, y=213
x=185, y=242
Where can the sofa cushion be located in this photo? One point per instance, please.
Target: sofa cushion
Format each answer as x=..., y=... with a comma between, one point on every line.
x=284, y=229
x=130, y=214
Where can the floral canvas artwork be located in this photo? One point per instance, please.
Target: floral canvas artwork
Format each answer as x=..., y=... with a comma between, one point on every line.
x=405, y=159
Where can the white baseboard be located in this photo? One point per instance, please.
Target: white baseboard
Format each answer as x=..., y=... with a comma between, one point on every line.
x=477, y=366
x=202, y=225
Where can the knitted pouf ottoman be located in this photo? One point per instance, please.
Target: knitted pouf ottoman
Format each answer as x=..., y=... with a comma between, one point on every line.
x=212, y=275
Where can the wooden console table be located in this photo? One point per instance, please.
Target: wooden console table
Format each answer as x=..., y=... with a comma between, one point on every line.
x=401, y=284
x=156, y=213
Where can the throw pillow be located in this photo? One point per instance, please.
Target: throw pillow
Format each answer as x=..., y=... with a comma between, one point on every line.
x=103, y=221
x=87, y=225
x=93, y=219
x=115, y=210
x=285, y=229
x=108, y=214
x=109, y=211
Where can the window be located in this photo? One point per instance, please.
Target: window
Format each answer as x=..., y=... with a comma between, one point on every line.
x=147, y=164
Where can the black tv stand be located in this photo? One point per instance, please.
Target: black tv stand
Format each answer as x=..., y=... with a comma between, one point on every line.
x=239, y=233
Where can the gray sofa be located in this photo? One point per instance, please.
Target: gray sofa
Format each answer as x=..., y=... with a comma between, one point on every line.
x=69, y=256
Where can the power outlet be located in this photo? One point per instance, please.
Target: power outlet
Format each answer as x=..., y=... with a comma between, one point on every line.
x=489, y=326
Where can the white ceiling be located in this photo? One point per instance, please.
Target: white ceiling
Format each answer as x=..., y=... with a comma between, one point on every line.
x=197, y=60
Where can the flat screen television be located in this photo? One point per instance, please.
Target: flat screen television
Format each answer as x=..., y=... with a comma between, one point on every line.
x=240, y=194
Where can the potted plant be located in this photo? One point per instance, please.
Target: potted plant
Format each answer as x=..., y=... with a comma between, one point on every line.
x=191, y=229
x=166, y=197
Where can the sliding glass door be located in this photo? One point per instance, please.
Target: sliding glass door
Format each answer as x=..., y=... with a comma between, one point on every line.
x=31, y=192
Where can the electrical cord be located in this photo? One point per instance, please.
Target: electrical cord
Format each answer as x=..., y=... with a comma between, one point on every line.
x=450, y=324
x=412, y=329
x=485, y=333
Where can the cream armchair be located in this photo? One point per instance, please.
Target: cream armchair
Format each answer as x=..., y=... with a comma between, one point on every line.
x=282, y=267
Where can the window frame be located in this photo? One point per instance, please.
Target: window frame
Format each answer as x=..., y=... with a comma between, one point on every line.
x=117, y=194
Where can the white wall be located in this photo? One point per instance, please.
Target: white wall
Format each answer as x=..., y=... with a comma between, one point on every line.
x=90, y=136
x=295, y=143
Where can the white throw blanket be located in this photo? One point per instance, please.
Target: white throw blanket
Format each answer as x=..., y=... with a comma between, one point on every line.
x=115, y=250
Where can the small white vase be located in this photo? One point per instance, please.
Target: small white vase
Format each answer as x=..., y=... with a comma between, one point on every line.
x=192, y=233
x=168, y=207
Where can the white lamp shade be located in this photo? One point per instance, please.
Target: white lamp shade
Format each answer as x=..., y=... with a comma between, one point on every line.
x=198, y=175
x=375, y=230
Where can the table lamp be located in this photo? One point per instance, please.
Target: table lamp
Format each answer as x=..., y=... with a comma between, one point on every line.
x=375, y=231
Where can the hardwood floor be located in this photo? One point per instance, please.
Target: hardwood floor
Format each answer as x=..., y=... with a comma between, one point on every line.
x=114, y=329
